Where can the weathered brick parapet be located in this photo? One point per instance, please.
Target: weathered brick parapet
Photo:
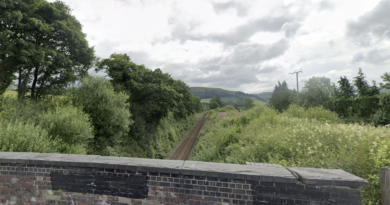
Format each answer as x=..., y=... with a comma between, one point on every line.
x=33, y=178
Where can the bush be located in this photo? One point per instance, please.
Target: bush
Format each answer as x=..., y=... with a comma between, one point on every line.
x=25, y=137
x=317, y=113
x=109, y=112
x=60, y=120
x=381, y=117
x=70, y=125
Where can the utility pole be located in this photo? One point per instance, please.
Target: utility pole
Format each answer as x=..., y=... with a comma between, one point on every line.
x=296, y=72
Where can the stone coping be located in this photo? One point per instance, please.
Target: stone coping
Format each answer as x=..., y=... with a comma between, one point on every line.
x=269, y=173
x=331, y=177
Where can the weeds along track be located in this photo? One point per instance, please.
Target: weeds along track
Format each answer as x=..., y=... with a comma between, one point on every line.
x=183, y=150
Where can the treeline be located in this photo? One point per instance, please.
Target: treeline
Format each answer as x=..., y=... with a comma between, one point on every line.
x=216, y=102
x=354, y=102
x=138, y=112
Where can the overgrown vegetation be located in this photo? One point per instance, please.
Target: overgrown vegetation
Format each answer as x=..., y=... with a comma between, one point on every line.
x=297, y=138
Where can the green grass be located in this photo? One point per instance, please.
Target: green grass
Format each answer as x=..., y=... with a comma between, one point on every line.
x=207, y=100
x=297, y=138
x=10, y=93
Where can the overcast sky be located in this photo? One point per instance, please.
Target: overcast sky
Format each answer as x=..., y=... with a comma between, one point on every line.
x=243, y=45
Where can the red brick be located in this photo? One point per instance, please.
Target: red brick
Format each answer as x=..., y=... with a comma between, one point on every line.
x=48, y=179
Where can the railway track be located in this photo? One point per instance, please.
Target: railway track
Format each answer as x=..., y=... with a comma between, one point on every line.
x=183, y=150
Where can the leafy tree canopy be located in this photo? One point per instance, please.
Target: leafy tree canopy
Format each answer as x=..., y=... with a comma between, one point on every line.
x=218, y=100
x=44, y=43
x=316, y=91
x=248, y=103
x=363, y=89
x=386, y=79
x=280, y=98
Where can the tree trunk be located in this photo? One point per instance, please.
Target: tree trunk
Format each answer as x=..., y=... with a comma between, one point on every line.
x=34, y=82
x=23, y=80
x=3, y=71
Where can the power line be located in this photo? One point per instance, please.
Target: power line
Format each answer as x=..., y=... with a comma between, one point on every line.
x=296, y=72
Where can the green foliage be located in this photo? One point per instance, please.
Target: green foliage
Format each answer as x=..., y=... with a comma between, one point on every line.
x=381, y=117
x=109, y=112
x=25, y=137
x=248, y=103
x=152, y=92
x=363, y=89
x=345, y=89
x=312, y=113
x=213, y=105
x=70, y=125
x=316, y=91
x=280, y=99
x=297, y=138
x=153, y=95
x=217, y=99
x=44, y=43
x=188, y=104
x=57, y=117
x=386, y=79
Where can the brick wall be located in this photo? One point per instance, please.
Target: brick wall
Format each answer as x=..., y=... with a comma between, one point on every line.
x=27, y=178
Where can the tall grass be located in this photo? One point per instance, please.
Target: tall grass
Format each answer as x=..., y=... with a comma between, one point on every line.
x=298, y=138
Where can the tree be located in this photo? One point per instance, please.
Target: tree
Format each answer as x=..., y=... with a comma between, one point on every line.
x=188, y=104
x=44, y=43
x=316, y=91
x=109, y=111
x=213, y=105
x=280, y=98
x=248, y=103
x=363, y=89
x=152, y=91
x=218, y=100
x=386, y=79
x=345, y=89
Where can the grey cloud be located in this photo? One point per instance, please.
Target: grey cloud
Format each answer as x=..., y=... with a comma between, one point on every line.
x=238, y=6
x=358, y=57
x=250, y=53
x=243, y=32
x=374, y=23
x=291, y=28
x=226, y=79
x=268, y=69
x=331, y=43
x=325, y=5
x=184, y=31
x=374, y=56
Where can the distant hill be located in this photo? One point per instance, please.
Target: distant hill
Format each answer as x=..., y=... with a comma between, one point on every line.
x=235, y=98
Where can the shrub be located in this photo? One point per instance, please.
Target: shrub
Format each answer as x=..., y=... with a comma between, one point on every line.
x=381, y=117
x=69, y=124
x=109, y=112
x=57, y=117
x=318, y=113
x=25, y=137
